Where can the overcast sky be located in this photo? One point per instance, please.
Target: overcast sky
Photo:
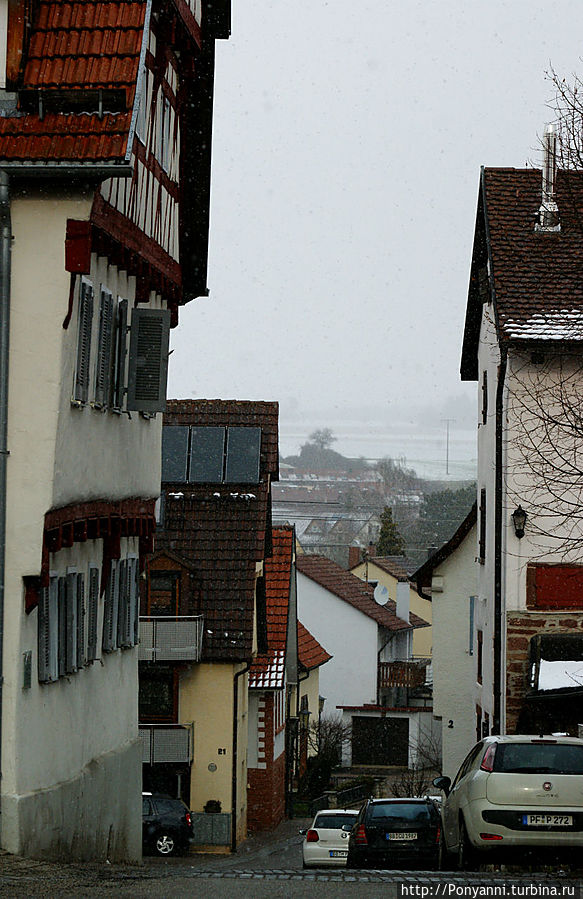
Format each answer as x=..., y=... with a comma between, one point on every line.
x=348, y=140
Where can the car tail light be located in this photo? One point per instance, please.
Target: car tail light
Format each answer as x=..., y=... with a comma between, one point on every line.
x=491, y=836
x=312, y=836
x=360, y=836
x=488, y=760
x=188, y=819
x=438, y=835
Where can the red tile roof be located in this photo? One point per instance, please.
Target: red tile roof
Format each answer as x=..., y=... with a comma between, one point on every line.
x=75, y=46
x=386, y=563
x=268, y=669
x=222, y=531
x=310, y=653
x=352, y=590
x=537, y=276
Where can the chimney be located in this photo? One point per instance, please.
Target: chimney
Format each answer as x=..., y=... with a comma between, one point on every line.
x=403, y=600
x=548, y=213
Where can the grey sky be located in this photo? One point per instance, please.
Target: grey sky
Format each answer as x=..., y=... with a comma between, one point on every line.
x=348, y=141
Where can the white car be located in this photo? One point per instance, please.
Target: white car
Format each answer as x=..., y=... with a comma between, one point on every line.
x=514, y=792
x=326, y=842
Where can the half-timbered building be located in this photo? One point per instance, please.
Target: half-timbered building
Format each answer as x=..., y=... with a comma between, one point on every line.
x=105, y=134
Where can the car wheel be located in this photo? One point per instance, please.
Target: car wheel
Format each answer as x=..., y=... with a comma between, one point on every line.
x=466, y=858
x=165, y=844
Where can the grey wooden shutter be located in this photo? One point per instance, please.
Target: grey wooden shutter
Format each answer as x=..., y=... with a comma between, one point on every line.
x=134, y=603
x=62, y=626
x=110, y=615
x=92, y=612
x=123, y=630
x=43, y=637
x=104, y=349
x=148, y=361
x=120, y=354
x=71, y=624
x=81, y=388
x=80, y=597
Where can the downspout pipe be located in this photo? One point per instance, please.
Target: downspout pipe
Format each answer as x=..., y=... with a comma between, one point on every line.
x=235, y=755
x=498, y=500
x=5, y=264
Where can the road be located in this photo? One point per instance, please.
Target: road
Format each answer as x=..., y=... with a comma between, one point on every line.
x=266, y=868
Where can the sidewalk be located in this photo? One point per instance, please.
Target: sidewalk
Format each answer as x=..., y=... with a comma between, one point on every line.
x=288, y=829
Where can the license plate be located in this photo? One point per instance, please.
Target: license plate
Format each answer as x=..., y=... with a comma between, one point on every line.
x=401, y=836
x=338, y=853
x=548, y=820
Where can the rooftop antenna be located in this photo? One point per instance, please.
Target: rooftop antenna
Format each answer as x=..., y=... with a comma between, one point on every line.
x=548, y=213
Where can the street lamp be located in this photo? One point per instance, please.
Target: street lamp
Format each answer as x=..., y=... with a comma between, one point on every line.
x=519, y=520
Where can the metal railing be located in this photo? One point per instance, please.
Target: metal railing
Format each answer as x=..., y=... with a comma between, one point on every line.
x=167, y=743
x=170, y=639
x=404, y=673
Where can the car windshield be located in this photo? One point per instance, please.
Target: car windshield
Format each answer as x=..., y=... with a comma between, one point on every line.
x=405, y=812
x=538, y=758
x=334, y=822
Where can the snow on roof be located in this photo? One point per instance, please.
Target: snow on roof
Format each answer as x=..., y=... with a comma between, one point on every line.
x=563, y=324
x=557, y=675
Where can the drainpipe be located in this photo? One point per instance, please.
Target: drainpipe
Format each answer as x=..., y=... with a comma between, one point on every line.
x=235, y=758
x=498, y=612
x=5, y=249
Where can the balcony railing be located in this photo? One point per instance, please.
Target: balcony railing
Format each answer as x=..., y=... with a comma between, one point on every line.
x=167, y=743
x=406, y=673
x=164, y=639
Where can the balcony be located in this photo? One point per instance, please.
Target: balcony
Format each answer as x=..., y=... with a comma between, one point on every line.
x=409, y=673
x=170, y=639
x=167, y=743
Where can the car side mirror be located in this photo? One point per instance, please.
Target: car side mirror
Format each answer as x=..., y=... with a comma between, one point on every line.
x=303, y=831
x=442, y=783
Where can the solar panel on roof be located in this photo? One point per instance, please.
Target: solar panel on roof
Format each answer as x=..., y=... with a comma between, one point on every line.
x=243, y=447
x=174, y=454
x=206, y=455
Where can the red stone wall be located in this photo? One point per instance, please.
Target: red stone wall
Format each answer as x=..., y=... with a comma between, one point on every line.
x=266, y=792
x=521, y=626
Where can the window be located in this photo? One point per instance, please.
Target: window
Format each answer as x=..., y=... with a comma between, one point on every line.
x=148, y=360
x=211, y=455
x=81, y=385
x=484, y=397
x=471, y=627
x=62, y=646
x=482, y=537
x=479, y=656
x=158, y=700
x=164, y=589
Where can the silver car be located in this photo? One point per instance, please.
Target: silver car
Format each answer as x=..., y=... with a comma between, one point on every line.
x=514, y=792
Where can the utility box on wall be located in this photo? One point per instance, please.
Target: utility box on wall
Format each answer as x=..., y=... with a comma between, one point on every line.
x=211, y=829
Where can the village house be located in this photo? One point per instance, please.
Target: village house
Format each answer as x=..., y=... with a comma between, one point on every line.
x=371, y=681
x=105, y=134
x=207, y=578
x=523, y=344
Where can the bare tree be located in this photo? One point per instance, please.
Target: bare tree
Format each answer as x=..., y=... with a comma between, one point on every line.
x=416, y=780
x=323, y=438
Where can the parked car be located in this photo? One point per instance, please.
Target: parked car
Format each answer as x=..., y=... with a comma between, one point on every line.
x=326, y=841
x=390, y=833
x=514, y=792
x=166, y=824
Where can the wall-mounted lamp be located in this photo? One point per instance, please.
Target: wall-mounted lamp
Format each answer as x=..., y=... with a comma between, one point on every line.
x=519, y=520
x=304, y=716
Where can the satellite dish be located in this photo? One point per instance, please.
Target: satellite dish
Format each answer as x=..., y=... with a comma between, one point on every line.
x=381, y=594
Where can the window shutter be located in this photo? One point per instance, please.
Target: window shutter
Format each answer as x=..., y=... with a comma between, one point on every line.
x=62, y=626
x=134, y=603
x=104, y=348
x=43, y=637
x=71, y=624
x=124, y=604
x=80, y=597
x=111, y=609
x=81, y=389
x=92, y=614
x=148, y=361
x=120, y=354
